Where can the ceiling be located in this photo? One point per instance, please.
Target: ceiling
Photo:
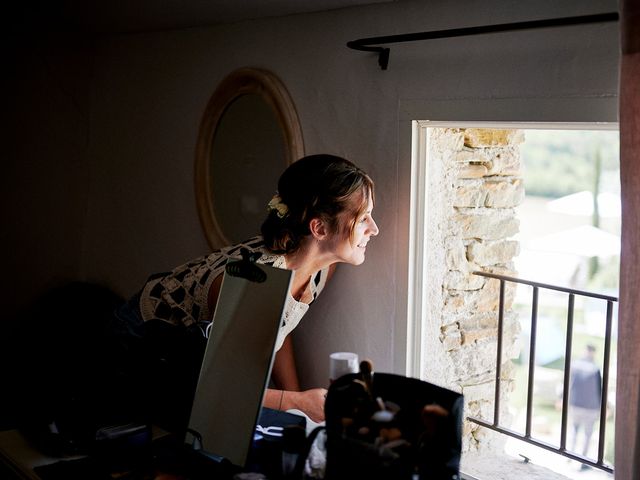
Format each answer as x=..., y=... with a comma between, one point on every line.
x=109, y=16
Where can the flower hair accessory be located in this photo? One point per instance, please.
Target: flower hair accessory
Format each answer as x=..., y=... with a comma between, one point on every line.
x=276, y=204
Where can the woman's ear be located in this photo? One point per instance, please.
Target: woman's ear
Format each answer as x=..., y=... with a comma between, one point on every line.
x=318, y=228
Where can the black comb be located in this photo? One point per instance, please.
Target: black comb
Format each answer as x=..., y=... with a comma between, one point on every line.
x=247, y=268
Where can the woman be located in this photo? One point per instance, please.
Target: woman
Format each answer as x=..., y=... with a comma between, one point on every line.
x=321, y=216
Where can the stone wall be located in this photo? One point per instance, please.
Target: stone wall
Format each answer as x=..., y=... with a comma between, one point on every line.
x=474, y=184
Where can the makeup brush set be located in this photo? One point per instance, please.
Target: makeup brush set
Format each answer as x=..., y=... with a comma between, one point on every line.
x=386, y=426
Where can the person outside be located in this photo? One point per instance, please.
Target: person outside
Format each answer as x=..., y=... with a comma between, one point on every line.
x=585, y=396
x=321, y=216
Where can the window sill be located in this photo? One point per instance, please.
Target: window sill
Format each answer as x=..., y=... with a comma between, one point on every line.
x=503, y=467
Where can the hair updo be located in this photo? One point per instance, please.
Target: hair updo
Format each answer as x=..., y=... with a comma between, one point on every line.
x=316, y=186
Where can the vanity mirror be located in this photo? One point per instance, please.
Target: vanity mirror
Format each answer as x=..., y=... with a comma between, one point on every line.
x=248, y=135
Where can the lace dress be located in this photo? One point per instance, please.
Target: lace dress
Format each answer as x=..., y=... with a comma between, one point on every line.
x=180, y=297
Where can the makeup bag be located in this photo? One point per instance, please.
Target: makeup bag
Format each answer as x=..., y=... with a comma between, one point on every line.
x=385, y=426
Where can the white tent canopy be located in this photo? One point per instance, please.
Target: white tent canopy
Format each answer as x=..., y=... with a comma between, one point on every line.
x=581, y=203
x=585, y=240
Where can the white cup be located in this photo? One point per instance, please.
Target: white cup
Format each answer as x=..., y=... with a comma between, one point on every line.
x=342, y=363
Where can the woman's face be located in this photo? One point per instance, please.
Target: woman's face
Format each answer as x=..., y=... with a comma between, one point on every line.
x=352, y=250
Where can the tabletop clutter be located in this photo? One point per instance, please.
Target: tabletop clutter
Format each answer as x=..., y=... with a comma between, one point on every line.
x=378, y=426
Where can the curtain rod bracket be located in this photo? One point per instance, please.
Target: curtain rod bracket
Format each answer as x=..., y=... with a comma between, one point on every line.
x=371, y=44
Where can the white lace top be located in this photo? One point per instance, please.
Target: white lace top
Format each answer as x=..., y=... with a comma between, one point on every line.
x=181, y=296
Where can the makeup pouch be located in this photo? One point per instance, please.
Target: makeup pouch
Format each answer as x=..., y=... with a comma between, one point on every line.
x=386, y=426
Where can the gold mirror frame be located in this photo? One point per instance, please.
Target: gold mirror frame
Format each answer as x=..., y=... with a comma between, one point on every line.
x=240, y=82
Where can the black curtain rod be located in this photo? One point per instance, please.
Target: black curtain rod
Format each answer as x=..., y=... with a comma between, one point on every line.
x=370, y=44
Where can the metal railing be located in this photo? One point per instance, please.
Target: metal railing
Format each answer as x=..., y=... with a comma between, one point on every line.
x=527, y=437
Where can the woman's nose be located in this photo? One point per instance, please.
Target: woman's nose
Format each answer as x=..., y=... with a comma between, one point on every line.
x=374, y=228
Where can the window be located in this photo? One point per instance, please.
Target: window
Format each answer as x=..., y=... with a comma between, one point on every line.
x=470, y=213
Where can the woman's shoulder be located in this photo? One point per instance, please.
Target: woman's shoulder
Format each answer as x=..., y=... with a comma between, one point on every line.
x=253, y=245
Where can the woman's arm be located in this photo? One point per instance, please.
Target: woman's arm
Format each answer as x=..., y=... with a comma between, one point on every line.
x=310, y=402
x=214, y=293
x=284, y=373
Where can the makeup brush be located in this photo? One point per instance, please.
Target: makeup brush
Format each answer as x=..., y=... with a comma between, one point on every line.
x=366, y=372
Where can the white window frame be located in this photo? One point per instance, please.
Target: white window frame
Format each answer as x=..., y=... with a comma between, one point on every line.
x=416, y=331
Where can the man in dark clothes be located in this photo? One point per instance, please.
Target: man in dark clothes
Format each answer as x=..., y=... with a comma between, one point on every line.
x=585, y=396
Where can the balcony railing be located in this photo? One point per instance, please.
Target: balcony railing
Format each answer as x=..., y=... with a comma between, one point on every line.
x=527, y=436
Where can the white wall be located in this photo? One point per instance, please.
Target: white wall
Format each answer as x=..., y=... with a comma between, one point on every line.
x=150, y=90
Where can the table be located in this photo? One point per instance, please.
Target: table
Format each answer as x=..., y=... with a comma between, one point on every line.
x=19, y=457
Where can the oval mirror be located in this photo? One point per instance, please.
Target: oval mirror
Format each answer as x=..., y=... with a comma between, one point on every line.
x=248, y=135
